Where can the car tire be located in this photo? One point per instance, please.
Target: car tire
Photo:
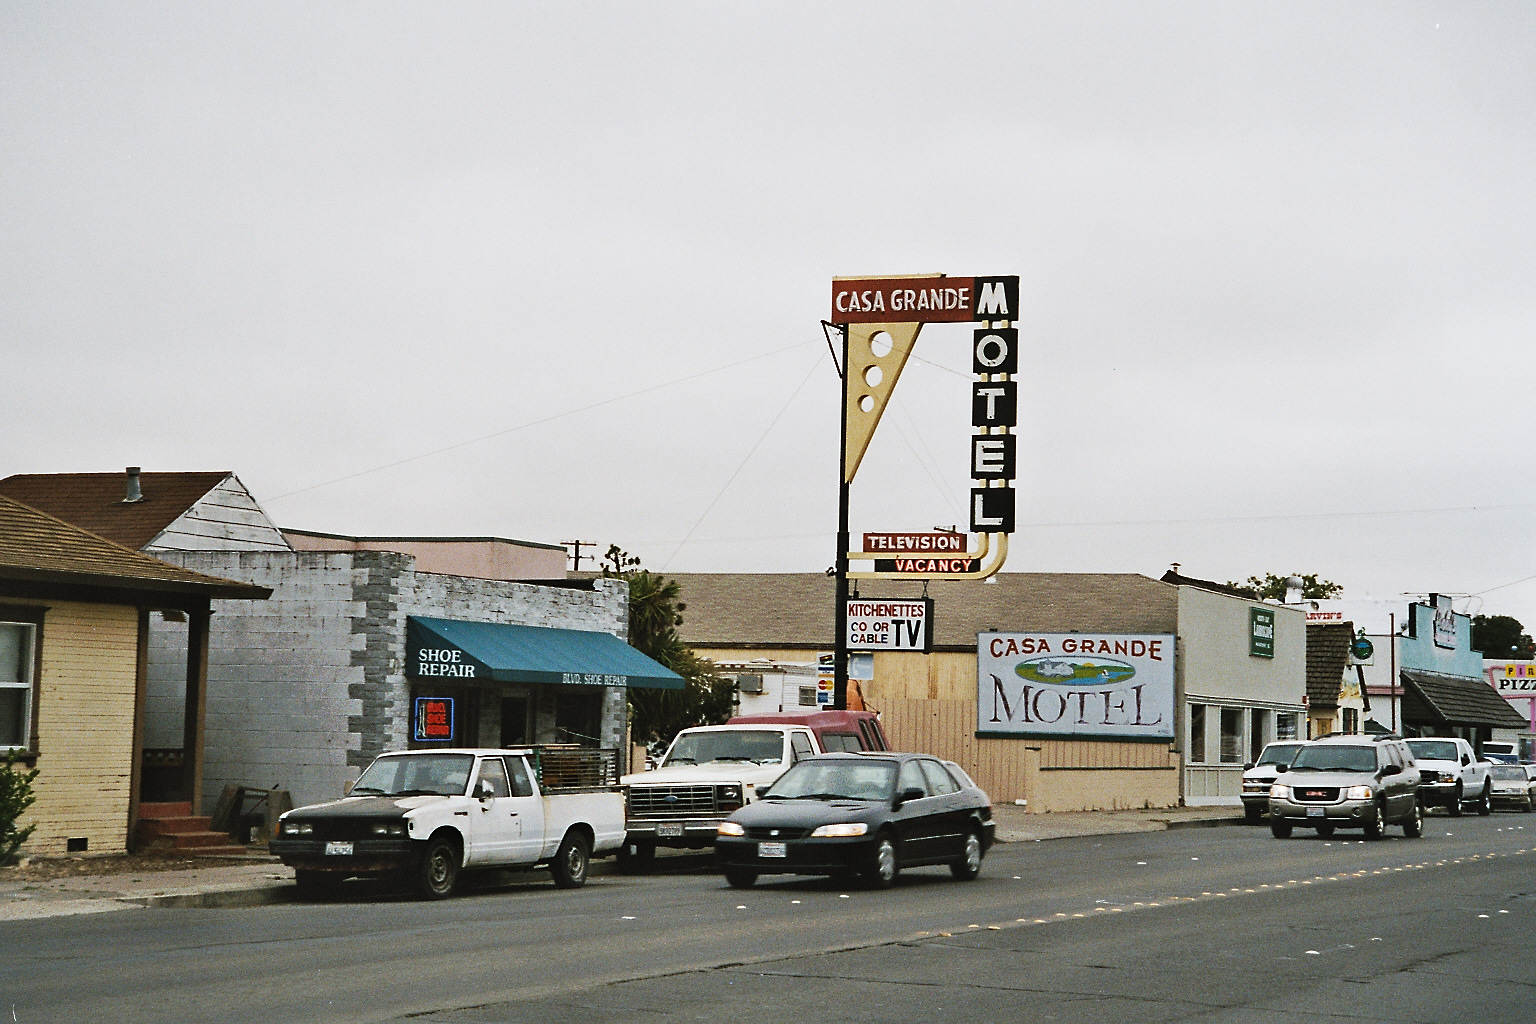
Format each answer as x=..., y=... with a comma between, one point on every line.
x=315, y=885
x=1373, y=822
x=881, y=870
x=1252, y=813
x=740, y=878
x=437, y=876
x=1485, y=802
x=1325, y=830
x=1279, y=827
x=1527, y=806
x=1454, y=807
x=571, y=862
x=969, y=864
x=1413, y=825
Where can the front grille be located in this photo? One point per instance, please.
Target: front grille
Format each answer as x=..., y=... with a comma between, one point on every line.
x=344, y=828
x=672, y=802
x=763, y=832
x=1428, y=776
x=1316, y=794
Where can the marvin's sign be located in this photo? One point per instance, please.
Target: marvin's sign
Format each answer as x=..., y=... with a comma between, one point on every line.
x=1091, y=685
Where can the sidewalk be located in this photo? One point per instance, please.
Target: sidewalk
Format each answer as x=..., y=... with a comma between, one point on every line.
x=264, y=880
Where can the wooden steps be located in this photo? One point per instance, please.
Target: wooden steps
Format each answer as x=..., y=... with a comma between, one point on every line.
x=172, y=826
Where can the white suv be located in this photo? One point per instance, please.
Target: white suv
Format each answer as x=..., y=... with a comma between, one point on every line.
x=1260, y=775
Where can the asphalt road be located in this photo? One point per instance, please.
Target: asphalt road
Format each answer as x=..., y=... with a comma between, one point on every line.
x=1223, y=924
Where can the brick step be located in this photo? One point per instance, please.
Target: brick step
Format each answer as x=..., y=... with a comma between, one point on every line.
x=181, y=809
x=150, y=828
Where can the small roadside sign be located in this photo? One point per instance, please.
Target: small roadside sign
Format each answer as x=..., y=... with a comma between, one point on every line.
x=914, y=543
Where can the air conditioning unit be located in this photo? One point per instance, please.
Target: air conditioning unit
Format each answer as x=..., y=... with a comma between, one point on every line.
x=750, y=683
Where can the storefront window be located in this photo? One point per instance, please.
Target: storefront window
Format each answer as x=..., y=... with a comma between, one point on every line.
x=1285, y=726
x=15, y=683
x=1231, y=736
x=1197, y=733
x=1258, y=734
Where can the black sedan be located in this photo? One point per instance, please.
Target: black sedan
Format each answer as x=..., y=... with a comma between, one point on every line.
x=862, y=814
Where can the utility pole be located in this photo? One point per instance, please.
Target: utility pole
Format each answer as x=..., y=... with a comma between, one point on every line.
x=840, y=641
x=576, y=546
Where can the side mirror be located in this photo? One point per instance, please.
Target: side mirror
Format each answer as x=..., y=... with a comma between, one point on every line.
x=484, y=790
x=1248, y=766
x=1465, y=760
x=1392, y=769
x=1282, y=768
x=910, y=793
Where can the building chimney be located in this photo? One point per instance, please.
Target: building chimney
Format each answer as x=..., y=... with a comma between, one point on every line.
x=135, y=492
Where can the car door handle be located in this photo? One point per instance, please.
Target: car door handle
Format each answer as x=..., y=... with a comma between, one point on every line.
x=512, y=813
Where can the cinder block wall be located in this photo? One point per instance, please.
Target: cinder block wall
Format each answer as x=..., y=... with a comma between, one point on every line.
x=306, y=688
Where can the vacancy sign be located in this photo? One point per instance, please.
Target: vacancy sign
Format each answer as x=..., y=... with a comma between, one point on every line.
x=898, y=624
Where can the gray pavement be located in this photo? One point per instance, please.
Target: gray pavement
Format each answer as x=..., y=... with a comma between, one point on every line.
x=264, y=880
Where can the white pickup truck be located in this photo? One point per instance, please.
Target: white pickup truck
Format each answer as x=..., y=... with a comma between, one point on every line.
x=1451, y=774
x=428, y=815
x=711, y=770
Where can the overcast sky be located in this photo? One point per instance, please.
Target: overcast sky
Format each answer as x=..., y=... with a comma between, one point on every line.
x=556, y=271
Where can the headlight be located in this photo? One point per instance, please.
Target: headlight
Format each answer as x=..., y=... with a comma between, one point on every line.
x=842, y=831
x=1279, y=792
x=1447, y=777
x=1358, y=793
x=296, y=828
x=729, y=828
x=390, y=828
x=728, y=797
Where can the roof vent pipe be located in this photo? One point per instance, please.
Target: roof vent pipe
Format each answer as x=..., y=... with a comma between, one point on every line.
x=135, y=492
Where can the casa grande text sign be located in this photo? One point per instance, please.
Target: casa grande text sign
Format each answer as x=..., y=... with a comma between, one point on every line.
x=900, y=624
x=1095, y=685
x=924, y=300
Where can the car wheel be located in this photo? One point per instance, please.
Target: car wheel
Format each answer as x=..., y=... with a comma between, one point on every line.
x=1279, y=827
x=570, y=864
x=969, y=864
x=1485, y=802
x=740, y=878
x=1252, y=813
x=1527, y=805
x=1325, y=830
x=882, y=868
x=1373, y=822
x=1413, y=825
x=438, y=874
x=313, y=884
x=1454, y=807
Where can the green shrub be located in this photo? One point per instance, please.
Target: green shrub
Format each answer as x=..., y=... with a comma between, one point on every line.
x=15, y=797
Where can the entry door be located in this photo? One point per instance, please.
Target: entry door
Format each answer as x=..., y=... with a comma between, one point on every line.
x=495, y=823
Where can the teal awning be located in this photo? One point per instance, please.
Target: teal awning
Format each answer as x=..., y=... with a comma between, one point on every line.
x=451, y=649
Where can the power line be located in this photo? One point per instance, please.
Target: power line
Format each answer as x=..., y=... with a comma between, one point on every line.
x=537, y=422
x=743, y=464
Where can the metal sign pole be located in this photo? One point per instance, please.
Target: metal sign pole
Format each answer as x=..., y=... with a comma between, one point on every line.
x=840, y=641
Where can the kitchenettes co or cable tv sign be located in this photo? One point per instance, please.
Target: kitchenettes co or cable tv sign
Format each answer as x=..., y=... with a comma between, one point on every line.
x=1089, y=685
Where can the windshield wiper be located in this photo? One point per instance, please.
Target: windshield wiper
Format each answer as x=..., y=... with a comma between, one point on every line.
x=421, y=792
x=365, y=789
x=735, y=757
x=682, y=759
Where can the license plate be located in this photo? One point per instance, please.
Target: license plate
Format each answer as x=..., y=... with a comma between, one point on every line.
x=670, y=830
x=773, y=849
x=338, y=849
x=1315, y=812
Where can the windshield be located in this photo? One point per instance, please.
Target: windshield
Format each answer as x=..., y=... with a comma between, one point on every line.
x=755, y=745
x=1332, y=757
x=1279, y=753
x=1508, y=771
x=1433, y=750
x=416, y=775
x=832, y=780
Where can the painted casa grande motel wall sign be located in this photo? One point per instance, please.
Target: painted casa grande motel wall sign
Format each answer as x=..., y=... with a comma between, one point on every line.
x=1108, y=686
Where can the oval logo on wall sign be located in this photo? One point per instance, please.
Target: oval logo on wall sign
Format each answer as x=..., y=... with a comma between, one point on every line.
x=1074, y=671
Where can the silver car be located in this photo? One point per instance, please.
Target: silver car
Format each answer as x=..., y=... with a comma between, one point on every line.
x=1364, y=782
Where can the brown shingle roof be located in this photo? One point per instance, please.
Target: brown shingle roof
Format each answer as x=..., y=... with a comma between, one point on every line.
x=796, y=609
x=36, y=547
x=94, y=501
x=1457, y=700
x=1327, y=658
